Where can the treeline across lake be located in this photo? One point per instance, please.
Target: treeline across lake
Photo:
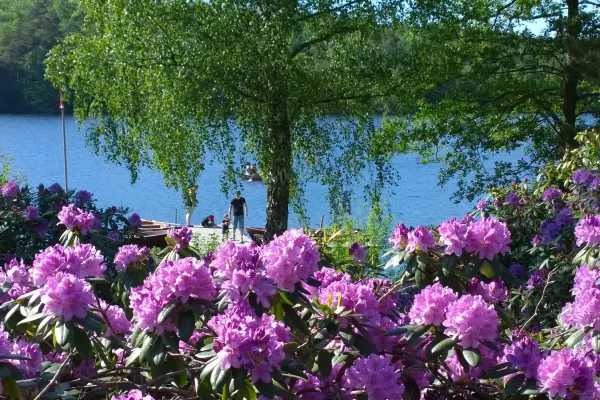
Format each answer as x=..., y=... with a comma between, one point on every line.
x=28, y=30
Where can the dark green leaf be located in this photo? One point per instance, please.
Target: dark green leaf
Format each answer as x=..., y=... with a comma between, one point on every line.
x=411, y=389
x=83, y=344
x=187, y=323
x=265, y=389
x=63, y=332
x=292, y=319
x=167, y=312
x=7, y=370
x=514, y=384
x=92, y=324
x=443, y=346
x=324, y=362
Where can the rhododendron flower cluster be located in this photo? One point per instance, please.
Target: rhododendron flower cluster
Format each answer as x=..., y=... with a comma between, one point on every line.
x=493, y=292
x=130, y=255
x=81, y=260
x=583, y=177
x=471, y=320
x=358, y=253
x=134, y=394
x=585, y=309
x=182, y=237
x=75, y=218
x=588, y=230
x=399, y=238
x=487, y=237
x=482, y=205
x=420, y=239
x=358, y=297
x=376, y=376
x=567, y=374
x=31, y=213
x=116, y=320
x=83, y=196
x=246, y=341
x=524, y=355
x=31, y=366
x=134, y=221
x=453, y=234
x=551, y=194
x=290, y=258
x=181, y=279
x=10, y=189
x=512, y=199
x=244, y=272
x=431, y=304
x=67, y=296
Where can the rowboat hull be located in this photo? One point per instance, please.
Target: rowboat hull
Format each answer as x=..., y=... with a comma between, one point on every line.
x=253, y=178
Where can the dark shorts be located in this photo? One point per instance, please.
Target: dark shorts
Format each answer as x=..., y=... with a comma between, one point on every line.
x=238, y=220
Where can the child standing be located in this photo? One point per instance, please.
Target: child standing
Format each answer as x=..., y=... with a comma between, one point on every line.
x=225, y=226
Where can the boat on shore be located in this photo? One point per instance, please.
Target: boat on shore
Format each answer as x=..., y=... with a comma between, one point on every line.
x=152, y=233
x=256, y=234
x=251, y=178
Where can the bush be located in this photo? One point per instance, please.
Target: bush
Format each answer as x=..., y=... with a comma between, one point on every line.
x=501, y=304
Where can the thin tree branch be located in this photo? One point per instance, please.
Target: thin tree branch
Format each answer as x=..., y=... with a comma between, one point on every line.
x=327, y=11
x=303, y=46
x=54, y=378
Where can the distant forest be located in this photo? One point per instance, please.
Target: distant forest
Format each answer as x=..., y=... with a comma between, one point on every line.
x=28, y=30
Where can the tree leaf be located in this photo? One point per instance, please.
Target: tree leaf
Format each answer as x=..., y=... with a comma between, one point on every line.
x=576, y=337
x=324, y=362
x=64, y=333
x=167, y=312
x=83, y=344
x=411, y=389
x=146, y=347
x=265, y=389
x=514, y=384
x=443, y=346
x=90, y=323
x=187, y=324
x=31, y=318
x=472, y=356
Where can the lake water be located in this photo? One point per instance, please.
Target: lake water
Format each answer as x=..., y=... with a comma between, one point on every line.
x=36, y=144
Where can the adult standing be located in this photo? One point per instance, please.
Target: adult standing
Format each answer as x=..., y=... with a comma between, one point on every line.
x=190, y=202
x=238, y=206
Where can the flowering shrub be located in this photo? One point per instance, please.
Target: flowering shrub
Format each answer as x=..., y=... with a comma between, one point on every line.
x=31, y=220
x=503, y=303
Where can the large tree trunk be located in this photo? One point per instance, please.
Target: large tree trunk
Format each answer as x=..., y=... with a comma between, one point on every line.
x=278, y=149
x=571, y=77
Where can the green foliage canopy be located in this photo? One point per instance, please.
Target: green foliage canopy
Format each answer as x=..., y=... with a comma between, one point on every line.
x=166, y=81
x=484, y=83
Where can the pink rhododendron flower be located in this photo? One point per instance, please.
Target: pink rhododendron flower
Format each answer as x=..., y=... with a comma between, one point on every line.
x=130, y=255
x=290, y=258
x=376, y=376
x=431, y=304
x=420, y=239
x=487, y=237
x=453, y=234
x=588, y=230
x=399, y=237
x=65, y=295
x=471, y=320
x=566, y=374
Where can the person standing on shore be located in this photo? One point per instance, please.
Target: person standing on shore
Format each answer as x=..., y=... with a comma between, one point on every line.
x=238, y=206
x=190, y=202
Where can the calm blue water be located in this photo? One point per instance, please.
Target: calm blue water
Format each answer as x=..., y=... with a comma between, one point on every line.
x=36, y=144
